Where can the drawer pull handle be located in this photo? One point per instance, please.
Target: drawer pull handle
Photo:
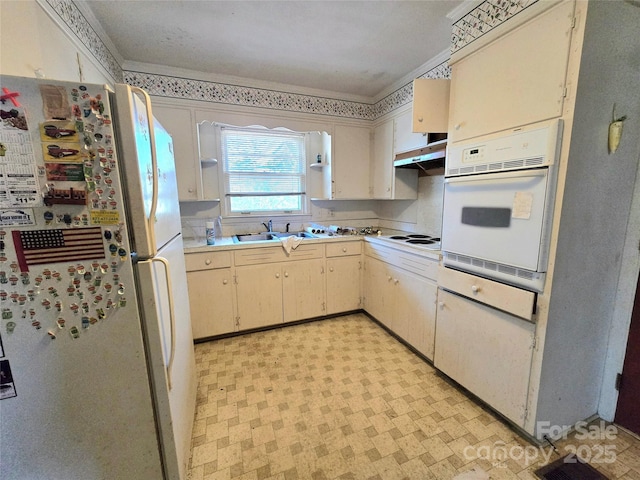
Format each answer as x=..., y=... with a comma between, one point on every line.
x=475, y=288
x=207, y=261
x=344, y=249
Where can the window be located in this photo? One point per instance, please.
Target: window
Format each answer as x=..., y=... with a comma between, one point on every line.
x=264, y=170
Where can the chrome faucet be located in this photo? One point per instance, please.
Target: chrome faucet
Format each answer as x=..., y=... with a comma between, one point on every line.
x=268, y=225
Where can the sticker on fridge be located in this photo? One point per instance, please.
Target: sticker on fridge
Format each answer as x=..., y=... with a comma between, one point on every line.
x=7, y=387
x=65, y=172
x=14, y=217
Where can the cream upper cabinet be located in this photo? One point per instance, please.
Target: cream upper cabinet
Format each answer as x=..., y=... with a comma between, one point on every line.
x=388, y=182
x=517, y=79
x=382, y=160
x=179, y=122
x=430, y=112
x=350, y=162
x=404, y=139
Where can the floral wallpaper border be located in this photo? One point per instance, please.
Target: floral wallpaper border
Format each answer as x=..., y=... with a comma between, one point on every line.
x=177, y=87
x=476, y=23
x=484, y=18
x=81, y=28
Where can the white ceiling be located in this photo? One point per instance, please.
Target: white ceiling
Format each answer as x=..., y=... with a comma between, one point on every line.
x=348, y=47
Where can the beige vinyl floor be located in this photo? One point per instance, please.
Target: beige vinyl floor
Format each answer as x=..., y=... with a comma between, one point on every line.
x=343, y=399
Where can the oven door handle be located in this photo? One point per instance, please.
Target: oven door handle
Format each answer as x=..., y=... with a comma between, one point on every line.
x=483, y=177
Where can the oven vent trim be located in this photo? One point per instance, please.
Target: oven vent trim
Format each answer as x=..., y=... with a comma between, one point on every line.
x=497, y=271
x=509, y=165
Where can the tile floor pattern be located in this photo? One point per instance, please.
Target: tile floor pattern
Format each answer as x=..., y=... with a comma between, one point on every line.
x=343, y=399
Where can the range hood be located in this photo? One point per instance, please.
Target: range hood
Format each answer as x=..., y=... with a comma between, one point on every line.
x=430, y=156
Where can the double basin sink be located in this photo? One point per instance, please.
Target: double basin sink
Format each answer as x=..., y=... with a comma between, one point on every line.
x=268, y=236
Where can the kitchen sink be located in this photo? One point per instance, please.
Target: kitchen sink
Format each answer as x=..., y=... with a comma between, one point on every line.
x=269, y=236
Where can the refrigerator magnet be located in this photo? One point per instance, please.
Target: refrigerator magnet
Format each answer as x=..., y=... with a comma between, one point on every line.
x=7, y=387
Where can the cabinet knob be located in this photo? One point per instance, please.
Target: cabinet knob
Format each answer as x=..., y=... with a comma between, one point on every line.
x=191, y=190
x=457, y=126
x=207, y=261
x=225, y=281
x=344, y=249
x=475, y=288
x=277, y=275
x=286, y=274
x=396, y=281
x=441, y=305
x=331, y=269
x=420, y=119
x=389, y=278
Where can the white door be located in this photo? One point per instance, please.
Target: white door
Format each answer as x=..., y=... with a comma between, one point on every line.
x=498, y=217
x=487, y=351
x=148, y=172
x=162, y=283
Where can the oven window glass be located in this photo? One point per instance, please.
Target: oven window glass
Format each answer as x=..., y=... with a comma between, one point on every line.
x=486, y=217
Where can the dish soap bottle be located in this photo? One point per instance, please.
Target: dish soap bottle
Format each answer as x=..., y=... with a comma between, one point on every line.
x=210, y=233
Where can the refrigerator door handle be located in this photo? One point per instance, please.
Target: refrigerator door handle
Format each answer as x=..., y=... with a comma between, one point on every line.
x=172, y=316
x=154, y=163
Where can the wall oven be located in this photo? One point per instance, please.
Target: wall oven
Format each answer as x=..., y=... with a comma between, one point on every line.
x=498, y=204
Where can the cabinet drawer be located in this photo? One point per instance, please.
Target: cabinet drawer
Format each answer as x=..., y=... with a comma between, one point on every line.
x=255, y=256
x=423, y=266
x=503, y=297
x=207, y=260
x=342, y=249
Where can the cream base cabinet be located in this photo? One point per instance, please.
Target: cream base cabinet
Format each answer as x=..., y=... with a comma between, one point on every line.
x=377, y=293
x=211, y=293
x=487, y=351
x=273, y=288
x=415, y=310
x=303, y=289
x=259, y=291
x=400, y=291
x=344, y=271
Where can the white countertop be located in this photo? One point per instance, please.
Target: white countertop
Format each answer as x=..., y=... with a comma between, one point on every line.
x=227, y=243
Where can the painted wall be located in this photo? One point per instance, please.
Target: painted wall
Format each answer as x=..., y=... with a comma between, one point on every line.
x=598, y=196
x=31, y=41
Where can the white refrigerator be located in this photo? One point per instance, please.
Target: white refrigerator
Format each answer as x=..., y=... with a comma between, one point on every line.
x=97, y=367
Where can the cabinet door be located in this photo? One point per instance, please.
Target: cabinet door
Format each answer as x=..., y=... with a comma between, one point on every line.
x=378, y=297
x=211, y=302
x=404, y=139
x=180, y=124
x=343, y=284
x=382, y=164
x=431, y=105
x=303, y=289
x=351, y=158
x=486, y=351
x=415, y=310
x=259, y=291
x=516, y=80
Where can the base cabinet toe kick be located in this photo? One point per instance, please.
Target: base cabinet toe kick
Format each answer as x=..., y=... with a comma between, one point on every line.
x=485, y=338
